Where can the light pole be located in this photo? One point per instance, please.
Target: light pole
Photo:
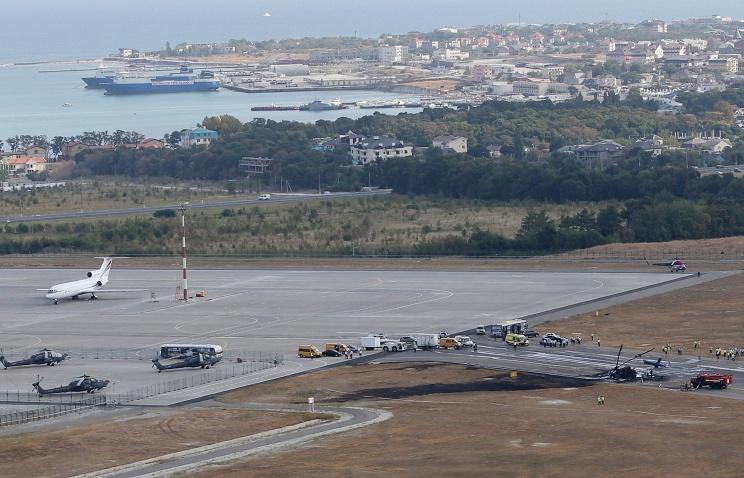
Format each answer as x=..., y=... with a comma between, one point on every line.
x=183, y=207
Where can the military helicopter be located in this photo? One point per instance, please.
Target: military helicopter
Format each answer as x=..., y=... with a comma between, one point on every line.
x=196, y=360
x=623, y=372
x=84, y=383
x=42, y=357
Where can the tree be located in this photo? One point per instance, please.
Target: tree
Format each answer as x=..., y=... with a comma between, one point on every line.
x=173, y=139
x=13, y=143
x=225, y=125
x=609, y=221
x=57, y=144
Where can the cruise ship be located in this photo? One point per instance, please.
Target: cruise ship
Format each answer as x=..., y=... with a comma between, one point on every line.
x=183, y=81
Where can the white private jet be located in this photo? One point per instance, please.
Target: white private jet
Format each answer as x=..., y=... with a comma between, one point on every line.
x=92, y=284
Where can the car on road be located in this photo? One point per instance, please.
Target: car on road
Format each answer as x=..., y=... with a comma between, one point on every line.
x=465, y=340
x=480, y=330
x=264, y=197
x=332, y=353
x=449, y=343
x=394, y=346
x=407, y=339
x=555, y=338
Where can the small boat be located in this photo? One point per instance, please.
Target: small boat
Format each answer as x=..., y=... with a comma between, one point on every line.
x=66, y=105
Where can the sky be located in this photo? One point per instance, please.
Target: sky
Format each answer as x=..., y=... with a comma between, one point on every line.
x=46, y=29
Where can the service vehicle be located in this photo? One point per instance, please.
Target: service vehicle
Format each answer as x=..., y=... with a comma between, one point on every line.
x=714, y=381
x=264, y=197
x=426, y=341
x=465, y=340
x=516, y=339
x=338, y=347
x=308, y=351
x=371, y=342
x=407, y=339
x=480, y=330
x=449, y=343
x=394, y=346
x=332, y=353
x=554, y=338
x=502, y=329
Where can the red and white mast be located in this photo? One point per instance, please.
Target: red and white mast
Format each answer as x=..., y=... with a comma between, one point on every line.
x=183, y=251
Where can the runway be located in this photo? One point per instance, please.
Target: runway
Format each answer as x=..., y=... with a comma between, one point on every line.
x=249, y=311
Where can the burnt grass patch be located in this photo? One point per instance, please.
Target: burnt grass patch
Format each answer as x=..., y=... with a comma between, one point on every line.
x=493, y=383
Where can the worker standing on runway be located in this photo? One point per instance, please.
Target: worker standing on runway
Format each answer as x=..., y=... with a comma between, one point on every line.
x=599, y=344
x=475, y=348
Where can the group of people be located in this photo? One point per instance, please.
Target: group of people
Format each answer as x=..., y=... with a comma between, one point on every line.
x=729, y=354
x=668, y=348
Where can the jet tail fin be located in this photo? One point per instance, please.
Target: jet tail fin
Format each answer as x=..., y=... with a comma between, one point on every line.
x=103, y=272
x=157, y=364
x=5, y=363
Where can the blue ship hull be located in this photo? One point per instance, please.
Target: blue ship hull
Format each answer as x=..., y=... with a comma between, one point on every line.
x=146, y=88
x=97, y=82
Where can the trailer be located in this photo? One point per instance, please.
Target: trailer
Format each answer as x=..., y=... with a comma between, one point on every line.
x=371, y=342
x=714, y=381
x=502, y=329
x=426, y=341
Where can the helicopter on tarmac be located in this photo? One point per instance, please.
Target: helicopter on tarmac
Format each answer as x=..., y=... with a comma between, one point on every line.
x=84, y=383
x=42, y=357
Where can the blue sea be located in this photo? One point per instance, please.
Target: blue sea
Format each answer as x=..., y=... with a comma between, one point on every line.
x=45, y=30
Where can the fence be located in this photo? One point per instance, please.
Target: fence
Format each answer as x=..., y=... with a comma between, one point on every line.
x=62, y=404
x=50, y=411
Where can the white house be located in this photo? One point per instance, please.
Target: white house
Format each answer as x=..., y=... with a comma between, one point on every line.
x=376, y=148
x=389, y=55
x=458, y=144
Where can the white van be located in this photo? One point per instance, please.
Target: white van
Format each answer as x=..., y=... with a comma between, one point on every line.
x=264, y=197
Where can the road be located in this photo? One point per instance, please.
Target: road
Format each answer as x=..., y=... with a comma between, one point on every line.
x=275, y=199
x=350, y=418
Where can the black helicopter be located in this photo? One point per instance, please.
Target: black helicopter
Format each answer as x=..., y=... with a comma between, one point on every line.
x=197, y=360
x=84, y=383
x=42, y=357
x=623, y=372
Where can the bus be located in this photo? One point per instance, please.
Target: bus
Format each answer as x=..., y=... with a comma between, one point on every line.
x=179, y=351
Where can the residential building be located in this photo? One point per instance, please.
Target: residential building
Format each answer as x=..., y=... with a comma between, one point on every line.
x=653, y=26
x=376, y=148
x=20, y=166
x=481, y=72
x=197, y=137
x=395, y=54
x=450, y=54
x=650, y=144
x=708, y=145
x=725, y=65
x=602, y=152
x=42, y=151
x=457, y=144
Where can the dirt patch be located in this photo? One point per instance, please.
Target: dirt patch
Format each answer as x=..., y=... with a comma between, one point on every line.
x=497, y=383
x=99, y=445
x=711, y=312
x=640, y=432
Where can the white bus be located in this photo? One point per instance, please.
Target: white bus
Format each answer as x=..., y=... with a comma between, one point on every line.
x=169, y=351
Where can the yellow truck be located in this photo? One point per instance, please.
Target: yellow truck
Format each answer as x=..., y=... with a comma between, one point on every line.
x=308, y=351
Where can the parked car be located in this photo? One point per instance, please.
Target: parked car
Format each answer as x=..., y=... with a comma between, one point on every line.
x=332, y=353
x=449, y=343
x=407, y=339
x=442, y=334
x=394, y=346
x=264, y=197
x=480, y=330
x=516, y=339
x=465, y=340
x=308, y=351
x=555, y=338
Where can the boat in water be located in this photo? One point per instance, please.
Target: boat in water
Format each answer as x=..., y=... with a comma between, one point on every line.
x=183, y=81
x=101, y=78
x=318, y=105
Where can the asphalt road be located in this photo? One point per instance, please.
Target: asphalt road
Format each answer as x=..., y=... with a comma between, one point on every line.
x=183, y=462
x=275, y=199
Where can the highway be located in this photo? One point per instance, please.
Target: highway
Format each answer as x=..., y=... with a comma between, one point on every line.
x=275, y=199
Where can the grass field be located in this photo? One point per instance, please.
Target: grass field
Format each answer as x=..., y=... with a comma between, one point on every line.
x=83, y=448
x=368, y=225
x=712, y=312
x=523, y=427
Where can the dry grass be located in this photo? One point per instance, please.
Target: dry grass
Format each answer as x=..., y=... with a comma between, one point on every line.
x=720, y=248
x=550, y=432
x=99, y=445
x=712, y=312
